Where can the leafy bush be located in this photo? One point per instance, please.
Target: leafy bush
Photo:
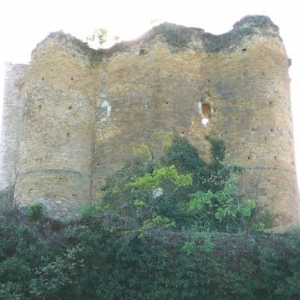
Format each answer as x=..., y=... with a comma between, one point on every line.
x=141, y=197
x=181, y=242
x=36, y=211
x=85, y=260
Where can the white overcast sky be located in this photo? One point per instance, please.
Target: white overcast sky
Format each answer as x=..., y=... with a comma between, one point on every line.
x=24, y=23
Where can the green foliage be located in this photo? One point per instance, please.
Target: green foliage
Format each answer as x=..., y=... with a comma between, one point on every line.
x=162, y=231
x=135, y=203
x=206, y=176
x=36, y=211
x=99, y=36
x=57, y=273
x=85, y=260
x=154, y=180
x=220, y=210
x=175, y=35
x=181, y=190
x=216, y=43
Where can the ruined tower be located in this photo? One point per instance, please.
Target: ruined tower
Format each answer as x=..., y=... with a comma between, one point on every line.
x=83, y=111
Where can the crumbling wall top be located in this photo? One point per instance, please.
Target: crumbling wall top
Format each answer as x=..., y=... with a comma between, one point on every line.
x=178, y=37
x=256, y=21
x=75, y=46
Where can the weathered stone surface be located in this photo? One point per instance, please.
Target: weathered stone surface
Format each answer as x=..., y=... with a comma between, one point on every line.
x=11, y=130
x=84, y=111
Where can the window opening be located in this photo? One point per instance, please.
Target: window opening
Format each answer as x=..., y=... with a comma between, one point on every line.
x=205, y=112
x=204, y=106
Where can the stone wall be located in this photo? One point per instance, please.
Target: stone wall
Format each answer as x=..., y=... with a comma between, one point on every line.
x=85, y=110
x=11, y=130
x=56, y=147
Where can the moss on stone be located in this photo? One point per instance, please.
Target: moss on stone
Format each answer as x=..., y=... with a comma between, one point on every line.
x=256, y=20
x=228, y=41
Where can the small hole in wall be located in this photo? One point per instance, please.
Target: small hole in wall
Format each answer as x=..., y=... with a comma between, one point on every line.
x=275, y=157
x=68, y=134
x=270, y=103
x=71, y=78
x=271, y=129
x=206, y=113
x=252, y=129
x=98, y=164
x=70, y=107
x=182, y=132
x=40, y=106
x=167, y=102
x=208, y=80
x=142, y=52
x=206, y=110
x=244, y=49
x=43, y=78
x=249, y=157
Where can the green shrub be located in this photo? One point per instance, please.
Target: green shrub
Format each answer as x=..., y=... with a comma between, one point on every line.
x=36, y=211
x=190, y=242
x=86, y=260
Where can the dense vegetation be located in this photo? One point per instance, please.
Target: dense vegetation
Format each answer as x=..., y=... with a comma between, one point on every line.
x=173, y=228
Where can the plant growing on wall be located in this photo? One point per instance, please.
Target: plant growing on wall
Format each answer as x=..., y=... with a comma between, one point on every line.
x=178, y=191
x=99, y=36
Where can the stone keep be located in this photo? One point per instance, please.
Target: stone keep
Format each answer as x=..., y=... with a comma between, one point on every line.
x=73, y=115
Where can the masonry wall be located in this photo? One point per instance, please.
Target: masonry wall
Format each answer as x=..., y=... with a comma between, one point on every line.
x=85, y=111
x=253, y=117
x=152, y=96
x=154, y=91
x=11, y=129
x=57, y=135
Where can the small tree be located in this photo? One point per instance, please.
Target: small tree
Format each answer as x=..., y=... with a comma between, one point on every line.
x=99, y=36
x=180, y=191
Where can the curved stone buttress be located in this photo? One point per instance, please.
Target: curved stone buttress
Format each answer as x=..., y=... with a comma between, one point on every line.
x=57, y=138
x=253, y=116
